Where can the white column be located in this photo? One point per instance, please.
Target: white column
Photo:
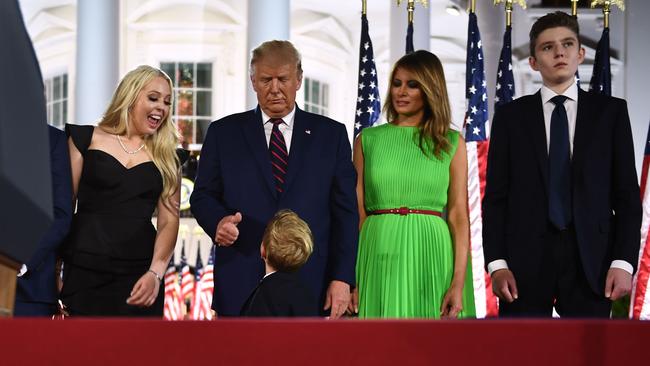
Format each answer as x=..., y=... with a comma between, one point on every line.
x=267, y=20
x=97, y=70
x=492, y=25
x=637, y=77
x=398, y=25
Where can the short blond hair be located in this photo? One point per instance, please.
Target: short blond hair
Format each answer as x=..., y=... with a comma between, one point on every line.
x=277, y=51
x=287, y=241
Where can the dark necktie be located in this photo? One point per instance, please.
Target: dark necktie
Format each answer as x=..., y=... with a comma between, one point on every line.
x=279, y=155
x=559, y=163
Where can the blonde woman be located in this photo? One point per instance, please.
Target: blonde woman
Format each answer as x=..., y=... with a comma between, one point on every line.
x=412, y=263
x=123, y=170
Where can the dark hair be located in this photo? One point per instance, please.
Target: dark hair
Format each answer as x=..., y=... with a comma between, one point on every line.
x=552, y=20
x=427, y=71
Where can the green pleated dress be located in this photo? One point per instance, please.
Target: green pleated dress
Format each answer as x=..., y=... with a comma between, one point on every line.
x=405, y=263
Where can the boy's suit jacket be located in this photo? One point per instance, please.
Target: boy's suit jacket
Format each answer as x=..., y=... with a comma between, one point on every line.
x=280, y=294
x=605, y=192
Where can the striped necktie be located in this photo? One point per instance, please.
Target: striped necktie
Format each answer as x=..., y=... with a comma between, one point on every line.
x=279, y=154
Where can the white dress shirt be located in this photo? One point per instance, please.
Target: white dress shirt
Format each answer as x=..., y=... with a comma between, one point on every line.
x=571, y=106
x=286, y=128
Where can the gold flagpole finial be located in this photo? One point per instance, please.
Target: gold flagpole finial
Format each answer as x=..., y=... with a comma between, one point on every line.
x=472, y=6
x=410, y=7
x=574, y=8
x=606, y=5
x=364, y=7
x=509, y=7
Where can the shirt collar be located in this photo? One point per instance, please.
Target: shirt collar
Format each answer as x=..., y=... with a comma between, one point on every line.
x=571, y=93
x=288, y=119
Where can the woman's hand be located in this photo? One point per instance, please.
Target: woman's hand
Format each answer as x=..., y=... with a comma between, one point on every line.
x=452, y=303
x=145, y=291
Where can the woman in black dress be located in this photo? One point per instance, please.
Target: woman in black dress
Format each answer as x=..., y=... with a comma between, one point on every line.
x=122, y=170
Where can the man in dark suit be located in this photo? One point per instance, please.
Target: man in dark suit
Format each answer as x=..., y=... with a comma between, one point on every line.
x=277, y=156
x=561, y=211
x=286, y=245
x=36, y=289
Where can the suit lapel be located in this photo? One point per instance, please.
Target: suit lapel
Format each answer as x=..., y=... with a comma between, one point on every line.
x=300, y=141
x=538, y=134
x=253, y=130
x=585, y=118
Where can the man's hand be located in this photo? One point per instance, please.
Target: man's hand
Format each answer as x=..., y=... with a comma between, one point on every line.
x=227, y=231
x=617, y=284
x=337, y=298
x=504, y=285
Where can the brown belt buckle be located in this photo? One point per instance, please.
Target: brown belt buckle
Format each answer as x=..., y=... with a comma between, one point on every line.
x=403, y=211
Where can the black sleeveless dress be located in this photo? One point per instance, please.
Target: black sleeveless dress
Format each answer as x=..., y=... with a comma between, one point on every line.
x=111, y=240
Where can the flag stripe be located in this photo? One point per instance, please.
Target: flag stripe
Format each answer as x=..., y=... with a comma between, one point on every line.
x=640, y=297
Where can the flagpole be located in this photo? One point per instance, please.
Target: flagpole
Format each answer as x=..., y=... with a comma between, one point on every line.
x=606, y=5
x=509, y=6
x=472, y=7
x=574, y=8
x=410, y=7
x=364, y=7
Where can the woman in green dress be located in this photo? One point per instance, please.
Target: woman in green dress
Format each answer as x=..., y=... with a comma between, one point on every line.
x=412, y=263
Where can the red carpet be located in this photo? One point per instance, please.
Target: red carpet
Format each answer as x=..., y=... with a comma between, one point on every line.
x=320, y=342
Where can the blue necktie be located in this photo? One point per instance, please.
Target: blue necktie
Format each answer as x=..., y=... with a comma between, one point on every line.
x=559, y=163
x=279, y=155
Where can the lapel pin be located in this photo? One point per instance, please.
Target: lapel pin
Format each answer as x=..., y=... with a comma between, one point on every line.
x=308, y=132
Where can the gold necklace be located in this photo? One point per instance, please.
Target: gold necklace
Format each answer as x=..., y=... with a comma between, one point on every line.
x=124, y=147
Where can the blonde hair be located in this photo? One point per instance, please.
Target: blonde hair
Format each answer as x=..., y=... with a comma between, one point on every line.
x=428, y=73
x=278, y=51
x=288, y=241
x=162, y=144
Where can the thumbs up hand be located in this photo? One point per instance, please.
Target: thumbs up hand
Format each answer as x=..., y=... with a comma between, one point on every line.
x=227, y=231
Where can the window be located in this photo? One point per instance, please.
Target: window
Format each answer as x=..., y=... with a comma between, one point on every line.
x=56, y=98
x=193, y=99
x=316, y=96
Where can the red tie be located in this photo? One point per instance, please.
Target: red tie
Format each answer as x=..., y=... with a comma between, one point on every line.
x=279, y=154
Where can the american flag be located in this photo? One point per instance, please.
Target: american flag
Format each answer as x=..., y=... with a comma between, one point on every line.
x=368, y=105
x=476, y=136
x=640, y=297
x=409, y=38
x=187, y=280
x=601, y=77
x=173, y=308
x=505, y=88
x=201, y=309
x=198, y=270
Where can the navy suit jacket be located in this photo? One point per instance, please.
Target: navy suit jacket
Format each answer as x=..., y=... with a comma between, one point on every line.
x=605, y=192
x=280, y=294
x=38, y=284
x=234, y=175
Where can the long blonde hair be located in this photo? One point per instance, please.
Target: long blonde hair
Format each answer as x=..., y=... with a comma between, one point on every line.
x=427, y=71
x=162, y=144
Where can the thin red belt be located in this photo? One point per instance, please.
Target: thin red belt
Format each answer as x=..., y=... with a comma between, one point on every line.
x=405, y=211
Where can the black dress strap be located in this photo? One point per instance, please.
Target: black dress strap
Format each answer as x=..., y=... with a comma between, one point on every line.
x=81, y=136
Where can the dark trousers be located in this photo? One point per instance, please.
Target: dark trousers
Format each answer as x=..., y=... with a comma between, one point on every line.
x=34, y=309
x=560, y=282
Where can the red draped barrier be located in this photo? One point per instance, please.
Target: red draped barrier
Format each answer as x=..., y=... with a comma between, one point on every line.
x=320, y=342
